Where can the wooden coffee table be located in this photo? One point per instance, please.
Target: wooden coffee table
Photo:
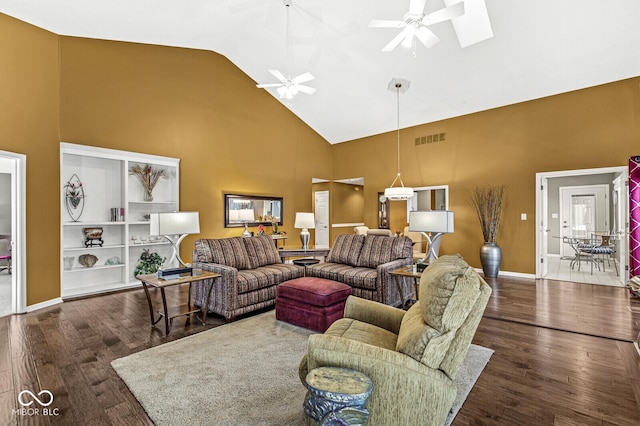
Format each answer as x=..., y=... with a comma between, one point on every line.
x=169, y=314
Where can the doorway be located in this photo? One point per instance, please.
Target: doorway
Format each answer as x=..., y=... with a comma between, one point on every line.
x=322, y=218
x=574, y=203
x=12, y=229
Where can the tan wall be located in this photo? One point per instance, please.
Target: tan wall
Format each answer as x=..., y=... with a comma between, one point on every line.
x=590, y=128
x=199, y=107
x=231, y=137
x=346, y=205
x=29, y=111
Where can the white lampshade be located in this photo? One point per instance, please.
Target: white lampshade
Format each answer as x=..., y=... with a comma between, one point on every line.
x=431, y=221
x=175, y=223
x=305, y=220
x=398, y=193
x=246, y=215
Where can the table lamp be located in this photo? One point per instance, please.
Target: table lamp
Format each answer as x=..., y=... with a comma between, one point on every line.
x=175, y=227
x=305, y=221
x=246, y=216
x=437, y=222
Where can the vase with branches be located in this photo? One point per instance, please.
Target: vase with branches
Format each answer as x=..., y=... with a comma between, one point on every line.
x=488, y=203
x=149, y=177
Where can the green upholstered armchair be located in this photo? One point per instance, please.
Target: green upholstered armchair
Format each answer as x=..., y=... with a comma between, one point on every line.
x=412, y=357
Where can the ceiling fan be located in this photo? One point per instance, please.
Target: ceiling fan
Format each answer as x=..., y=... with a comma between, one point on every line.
x=469, y=17
x=288, y=87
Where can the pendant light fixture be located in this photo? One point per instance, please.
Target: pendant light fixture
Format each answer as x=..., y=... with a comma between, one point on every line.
x=395, y=193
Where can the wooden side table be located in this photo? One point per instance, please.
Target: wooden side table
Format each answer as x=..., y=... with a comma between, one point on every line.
x=337, y=396
x=408, y=272
x=169, y=314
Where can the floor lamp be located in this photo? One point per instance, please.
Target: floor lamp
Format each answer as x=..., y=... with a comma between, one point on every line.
x=436, y=222
x=175, y=227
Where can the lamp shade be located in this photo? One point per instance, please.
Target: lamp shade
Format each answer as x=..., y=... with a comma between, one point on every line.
x=246, y=215
x=431, y=221
x=305, y=220
x=175, y=223
x=398, y=193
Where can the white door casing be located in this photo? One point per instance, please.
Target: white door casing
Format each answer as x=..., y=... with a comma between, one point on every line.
x=322, y=218
x=15, y=164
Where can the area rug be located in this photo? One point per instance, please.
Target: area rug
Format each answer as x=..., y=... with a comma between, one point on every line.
x=243, y=373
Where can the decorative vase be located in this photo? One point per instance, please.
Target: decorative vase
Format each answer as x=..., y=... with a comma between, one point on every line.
x=490, y=258
x=148, y=194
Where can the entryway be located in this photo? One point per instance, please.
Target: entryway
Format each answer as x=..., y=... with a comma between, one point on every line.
x=582, y=204
x=12, y=232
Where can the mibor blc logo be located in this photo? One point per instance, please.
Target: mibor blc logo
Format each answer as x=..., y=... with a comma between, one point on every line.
x=35, y=405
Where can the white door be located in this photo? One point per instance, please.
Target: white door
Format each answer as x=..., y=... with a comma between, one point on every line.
x=584, y=211
x=322, y=219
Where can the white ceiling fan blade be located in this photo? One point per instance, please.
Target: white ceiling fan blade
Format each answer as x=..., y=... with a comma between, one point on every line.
x=427, y=37
x=303, y=78
x=444, y=14
x=386, y=23
x=409, y=32
x=306, y=89
x=264, y=86
x=277, y=74
x=394, y=42
x=416, y=7
x=474, y=26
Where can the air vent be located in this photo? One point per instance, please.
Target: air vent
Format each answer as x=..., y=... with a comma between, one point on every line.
x=436, y=137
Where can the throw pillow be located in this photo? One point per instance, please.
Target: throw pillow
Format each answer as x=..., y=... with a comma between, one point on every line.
x=224, y=251
x=378, y=249
x=262, y=251
x=346, y=249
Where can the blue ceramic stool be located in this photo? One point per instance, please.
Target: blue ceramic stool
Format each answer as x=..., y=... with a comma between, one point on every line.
x=337, y=396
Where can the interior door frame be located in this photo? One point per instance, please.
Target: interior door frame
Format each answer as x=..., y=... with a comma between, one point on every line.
x=18, y=170
x=327, y=215
x=542, y=228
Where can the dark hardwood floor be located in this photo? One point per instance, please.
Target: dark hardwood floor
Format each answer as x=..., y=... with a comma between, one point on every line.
x=563, y=356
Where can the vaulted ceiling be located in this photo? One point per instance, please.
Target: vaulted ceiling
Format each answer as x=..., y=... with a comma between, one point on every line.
x=540, y=48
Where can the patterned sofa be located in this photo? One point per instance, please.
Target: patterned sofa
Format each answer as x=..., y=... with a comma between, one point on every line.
x=251, y=268
x=363, y=262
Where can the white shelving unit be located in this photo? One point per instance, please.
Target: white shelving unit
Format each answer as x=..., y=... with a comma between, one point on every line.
x=107, y=184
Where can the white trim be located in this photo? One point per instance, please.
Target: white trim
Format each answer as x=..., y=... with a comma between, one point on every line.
x=509, y=274
x=346, y=225
x=18, y=230
x=114, y=154
x=541, y=178
x=44, y=304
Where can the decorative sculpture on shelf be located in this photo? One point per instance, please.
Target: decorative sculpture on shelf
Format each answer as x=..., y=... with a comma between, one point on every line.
x=92, y=236
x=74, y=197
x=149, y=177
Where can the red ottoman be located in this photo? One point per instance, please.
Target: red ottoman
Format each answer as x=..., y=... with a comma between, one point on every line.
x=309, y=302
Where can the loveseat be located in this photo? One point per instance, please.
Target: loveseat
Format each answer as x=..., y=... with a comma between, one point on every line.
x=412, y=357
x=251, y=268
x=364, y=262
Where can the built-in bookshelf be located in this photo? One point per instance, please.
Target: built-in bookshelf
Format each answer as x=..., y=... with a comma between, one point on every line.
x=114, y=200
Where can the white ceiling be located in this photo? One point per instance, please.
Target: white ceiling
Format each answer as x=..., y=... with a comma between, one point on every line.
x=539, y=48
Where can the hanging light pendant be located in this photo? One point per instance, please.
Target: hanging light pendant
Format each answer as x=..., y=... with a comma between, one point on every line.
x=395, y=193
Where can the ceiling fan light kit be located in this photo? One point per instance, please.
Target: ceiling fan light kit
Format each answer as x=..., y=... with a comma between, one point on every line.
x=288, y=87
x=470, y=21
x=398, y=193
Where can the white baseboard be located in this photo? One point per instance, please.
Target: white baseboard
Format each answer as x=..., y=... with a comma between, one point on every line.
x=511, y=274
x=44, y=304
